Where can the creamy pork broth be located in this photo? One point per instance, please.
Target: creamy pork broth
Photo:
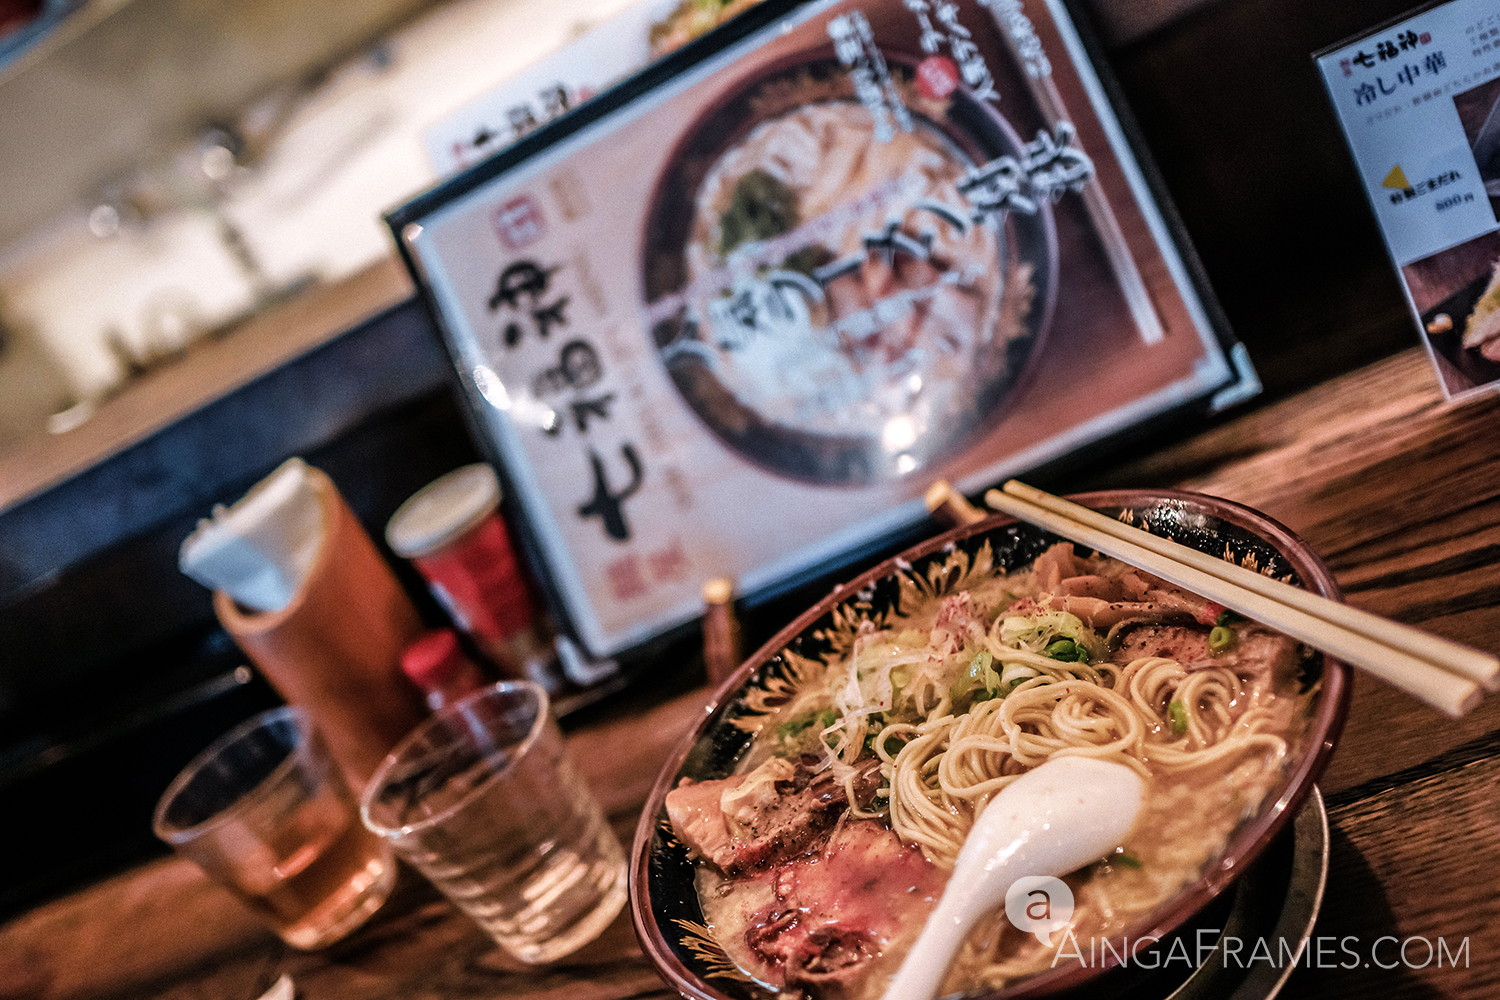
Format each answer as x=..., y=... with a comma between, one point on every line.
x=822, y=857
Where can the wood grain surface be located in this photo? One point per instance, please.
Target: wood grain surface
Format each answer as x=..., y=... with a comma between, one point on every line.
x=1400, y=493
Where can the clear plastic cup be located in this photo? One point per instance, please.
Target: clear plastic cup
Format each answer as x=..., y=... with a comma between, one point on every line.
x=483, y=800
x=265, y=813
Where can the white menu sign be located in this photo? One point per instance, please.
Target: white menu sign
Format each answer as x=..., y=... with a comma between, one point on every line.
x=1419, y=101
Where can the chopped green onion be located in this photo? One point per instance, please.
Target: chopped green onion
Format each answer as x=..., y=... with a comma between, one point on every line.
x=1062, y=649
x=1126, y=860
x=794, y=728
x=1014, y=674
x=1067, y=651
x=1220, y=638
x=1177, y=713
x=1227, y=617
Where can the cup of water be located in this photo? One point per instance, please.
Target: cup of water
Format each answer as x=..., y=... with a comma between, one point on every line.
x=483, y=799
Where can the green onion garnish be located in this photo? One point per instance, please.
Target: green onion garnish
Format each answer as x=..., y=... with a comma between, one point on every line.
x=1177, y=713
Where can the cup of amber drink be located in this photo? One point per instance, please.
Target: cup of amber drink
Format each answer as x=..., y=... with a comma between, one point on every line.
x=483, y=799
x=266, y=813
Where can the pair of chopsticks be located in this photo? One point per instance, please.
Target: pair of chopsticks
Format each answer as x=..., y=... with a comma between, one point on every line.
x=1446, y=675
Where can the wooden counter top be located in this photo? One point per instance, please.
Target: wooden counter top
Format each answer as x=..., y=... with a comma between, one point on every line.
x=1398, y=491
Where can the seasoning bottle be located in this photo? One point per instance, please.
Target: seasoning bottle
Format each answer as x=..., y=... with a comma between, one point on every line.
x=452, y=532
x=334, y=647
x=436, y=663
x=721, y=630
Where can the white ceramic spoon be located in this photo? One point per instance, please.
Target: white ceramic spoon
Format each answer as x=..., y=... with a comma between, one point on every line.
x=1052, y=820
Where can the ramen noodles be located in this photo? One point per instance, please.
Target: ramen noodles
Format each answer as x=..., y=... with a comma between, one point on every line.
x=823, y=855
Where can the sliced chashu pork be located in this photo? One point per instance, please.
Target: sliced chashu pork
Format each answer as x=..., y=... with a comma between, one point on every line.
x=777, y=811
x=862, y=899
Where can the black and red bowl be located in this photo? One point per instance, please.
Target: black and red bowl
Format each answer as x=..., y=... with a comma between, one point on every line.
x=664, y=903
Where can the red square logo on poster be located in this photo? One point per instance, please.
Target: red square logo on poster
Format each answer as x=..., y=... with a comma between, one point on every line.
x=519, y=222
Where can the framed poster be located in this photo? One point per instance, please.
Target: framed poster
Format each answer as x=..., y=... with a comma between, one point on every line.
x=731, y=317
x=1419, y=102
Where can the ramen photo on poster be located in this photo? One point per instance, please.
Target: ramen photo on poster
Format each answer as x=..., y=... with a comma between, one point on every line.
x=732, y=317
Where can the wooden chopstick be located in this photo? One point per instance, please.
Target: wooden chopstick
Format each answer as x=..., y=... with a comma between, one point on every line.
x=1444, y=674
x=1452, y=656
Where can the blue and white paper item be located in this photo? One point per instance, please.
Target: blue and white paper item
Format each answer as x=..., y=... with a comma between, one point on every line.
x=1419, y=102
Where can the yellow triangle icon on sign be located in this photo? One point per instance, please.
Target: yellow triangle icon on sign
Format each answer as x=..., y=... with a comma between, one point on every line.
x=1396, y=178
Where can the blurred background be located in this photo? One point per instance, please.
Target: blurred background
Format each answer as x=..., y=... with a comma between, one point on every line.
x=195, y=284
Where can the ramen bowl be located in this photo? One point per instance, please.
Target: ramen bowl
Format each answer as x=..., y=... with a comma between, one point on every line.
x=668, y=915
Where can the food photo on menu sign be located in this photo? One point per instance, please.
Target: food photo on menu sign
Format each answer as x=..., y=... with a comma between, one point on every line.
x=1419, y=102
x=730, y=318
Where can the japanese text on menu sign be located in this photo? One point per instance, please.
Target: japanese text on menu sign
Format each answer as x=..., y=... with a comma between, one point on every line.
x=1416, y=100
x=572, y=395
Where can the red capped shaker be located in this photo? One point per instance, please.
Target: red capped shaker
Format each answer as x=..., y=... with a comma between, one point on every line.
x=451, y=530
